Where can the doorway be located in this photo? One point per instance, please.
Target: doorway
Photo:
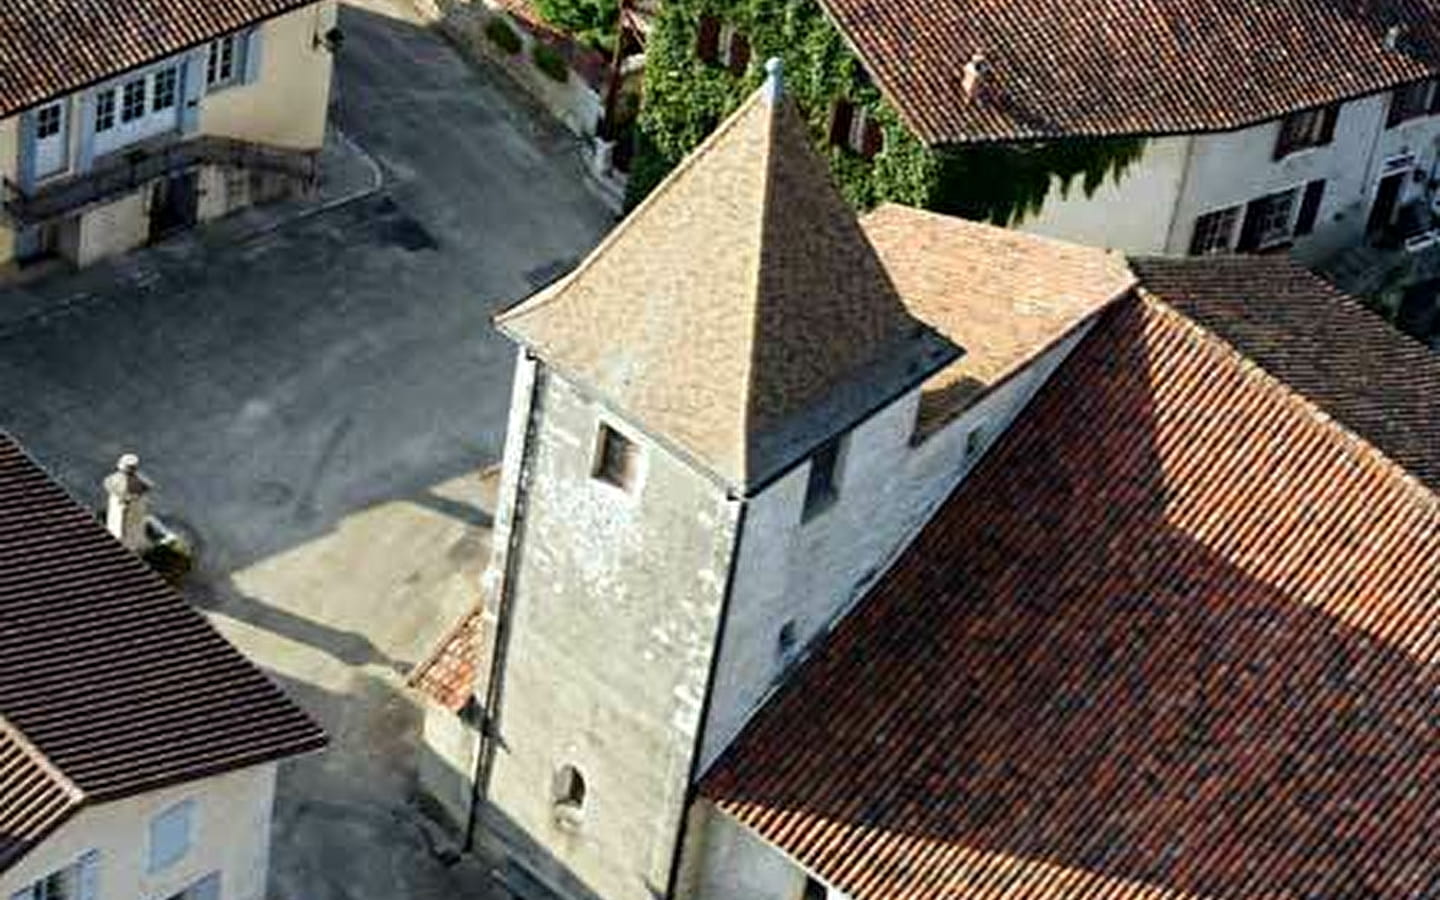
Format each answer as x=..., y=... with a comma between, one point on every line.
x=51, y=140
x=174, y=205
x=1387, y=200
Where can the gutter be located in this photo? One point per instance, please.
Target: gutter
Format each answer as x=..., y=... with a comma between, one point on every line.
x=489, y=730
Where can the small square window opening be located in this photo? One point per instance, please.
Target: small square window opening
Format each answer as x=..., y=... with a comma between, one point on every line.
x=47, y=121
x=104, y=111
x=823, y=486
x=616, y=459
x=132, y=100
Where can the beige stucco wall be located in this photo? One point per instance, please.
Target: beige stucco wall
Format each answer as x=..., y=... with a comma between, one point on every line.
x=112, y=229
x=231, y=835
x=1132, y=213
x=9, y=161
x=810, y=572
x=286, y=106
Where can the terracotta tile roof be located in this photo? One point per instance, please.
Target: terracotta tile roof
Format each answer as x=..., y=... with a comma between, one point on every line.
x=739, y=312
x=106, y=671
x=1002, y=295
x=1176, y=635
x=34, y=797
x=49, y=48
x=1320, y=342
x=1111, y=67
x=448, y=676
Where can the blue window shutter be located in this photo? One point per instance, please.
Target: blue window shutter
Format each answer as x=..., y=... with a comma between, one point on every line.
x=87, y=131
x=26, y=169
x=24, y=894
x=170, y=835
x=89, y=865
x=192, y=88
x=254, y=54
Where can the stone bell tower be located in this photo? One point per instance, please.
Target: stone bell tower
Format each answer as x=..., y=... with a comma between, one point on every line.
x=680, y=413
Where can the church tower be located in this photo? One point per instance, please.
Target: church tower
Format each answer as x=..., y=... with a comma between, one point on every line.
x=687, y=495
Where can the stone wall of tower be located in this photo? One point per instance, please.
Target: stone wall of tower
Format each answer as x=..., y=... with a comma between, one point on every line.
x=615, y=598
x=803, y=575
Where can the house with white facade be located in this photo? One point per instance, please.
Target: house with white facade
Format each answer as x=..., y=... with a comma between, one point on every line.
x=908, y=557
x=1307, y=125
x=121, y=124
x=138, y=748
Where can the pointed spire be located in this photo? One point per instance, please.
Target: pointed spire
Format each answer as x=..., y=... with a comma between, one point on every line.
x=739, y=313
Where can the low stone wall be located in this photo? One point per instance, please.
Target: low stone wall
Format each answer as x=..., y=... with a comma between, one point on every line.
x=576, y=103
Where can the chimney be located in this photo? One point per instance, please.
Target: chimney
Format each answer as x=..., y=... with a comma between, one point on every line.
x=128, y=504
x=1393, y=35
x=974, y=79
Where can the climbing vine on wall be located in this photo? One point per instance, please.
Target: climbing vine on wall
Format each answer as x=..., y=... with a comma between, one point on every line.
x=685, y=97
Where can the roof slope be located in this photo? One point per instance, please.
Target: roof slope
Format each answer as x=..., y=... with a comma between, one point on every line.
x=106, y=671
x=52, y=47
x=1003, y=295
x=739, y=312
x=1112, y=67
x=1324, y=344
x=1176, y=634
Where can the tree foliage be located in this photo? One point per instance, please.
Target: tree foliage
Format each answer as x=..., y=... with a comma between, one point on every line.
x=593, y=21
x=685, y=98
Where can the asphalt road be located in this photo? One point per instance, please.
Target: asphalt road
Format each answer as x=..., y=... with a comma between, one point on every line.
x=314, y=404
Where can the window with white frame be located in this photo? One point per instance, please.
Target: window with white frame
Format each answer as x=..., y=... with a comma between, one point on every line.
x=223, y=61
x=734, y=50
x=104, y=111
x=165, y=90
x=854, y=128
x=48, y=121
x=132, y=100
x=76, y=881
x=170, y=835
x=1215, y=232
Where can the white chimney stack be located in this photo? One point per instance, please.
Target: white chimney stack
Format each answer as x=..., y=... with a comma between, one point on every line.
x=128, y=503
x=974, y=78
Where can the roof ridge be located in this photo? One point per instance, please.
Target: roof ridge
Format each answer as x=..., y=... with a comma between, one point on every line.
x=558, y=289
x=1253, y=370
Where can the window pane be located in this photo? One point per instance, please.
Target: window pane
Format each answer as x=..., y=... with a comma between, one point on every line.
x=132, y=104
x=105, y=110
x=166, y=82
x=47, y=122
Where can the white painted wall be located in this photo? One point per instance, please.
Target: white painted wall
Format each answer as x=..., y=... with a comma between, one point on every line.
x=1131, y=214
x=1153, y=209
x=811, y=572
x=231, y=835
x=727, y=861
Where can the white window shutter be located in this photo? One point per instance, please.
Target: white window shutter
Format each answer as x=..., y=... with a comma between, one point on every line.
x=254, y=53
x=89, y=876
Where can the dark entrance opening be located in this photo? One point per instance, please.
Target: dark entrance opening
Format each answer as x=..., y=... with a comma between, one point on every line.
x=174, y=205
x=1387, y=197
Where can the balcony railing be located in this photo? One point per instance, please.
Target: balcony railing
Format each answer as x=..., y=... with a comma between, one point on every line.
x=126, y=171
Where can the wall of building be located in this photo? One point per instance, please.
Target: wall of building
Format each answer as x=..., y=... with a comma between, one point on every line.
x=614, y=599
x=724, y=860
x=110, y=230
x=1131, y=214
x=9, y=163
x=231, y=835
x=807, y=574
x=1234, y=168
x=286, y=106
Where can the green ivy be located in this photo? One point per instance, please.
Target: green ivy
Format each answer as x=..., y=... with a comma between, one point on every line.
x=685, y=98
x=592, y=21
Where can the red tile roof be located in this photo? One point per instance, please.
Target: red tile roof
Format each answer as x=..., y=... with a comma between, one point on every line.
x=1322, y=343
x=1176, y=634
x=1113, y=67
x=49, y=48
x=448, y=676
x=117, y=683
